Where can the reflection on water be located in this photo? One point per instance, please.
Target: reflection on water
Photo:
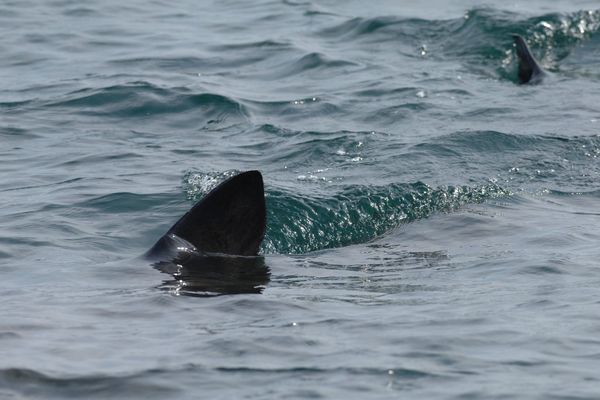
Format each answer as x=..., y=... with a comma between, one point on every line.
x=213, y=275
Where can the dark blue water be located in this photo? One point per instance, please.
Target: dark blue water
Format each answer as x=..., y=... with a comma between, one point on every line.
x=432, y=224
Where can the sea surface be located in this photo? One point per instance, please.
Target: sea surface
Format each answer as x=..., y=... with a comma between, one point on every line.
x=433, y=225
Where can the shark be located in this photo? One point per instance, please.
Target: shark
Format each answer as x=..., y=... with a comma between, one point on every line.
x=214, y=247
x=529, y=68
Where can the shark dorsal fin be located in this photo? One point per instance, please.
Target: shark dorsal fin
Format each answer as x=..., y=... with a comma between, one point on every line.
x=231, y=219
x=529, y=68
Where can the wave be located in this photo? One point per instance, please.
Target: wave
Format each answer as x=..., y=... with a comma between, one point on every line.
x=253, y=46
x=535, y=162
x=493, y=142
x=358, y=214
x=124, y=202
x=159, y=383
x=30, y=382
x=312, y=61
x=11, y=132
x=145, y=100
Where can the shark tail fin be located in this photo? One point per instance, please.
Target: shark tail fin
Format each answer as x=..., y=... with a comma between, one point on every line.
x=231, y=219
x=529, y=69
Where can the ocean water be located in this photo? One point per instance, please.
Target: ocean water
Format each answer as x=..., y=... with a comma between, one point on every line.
x=433, y=226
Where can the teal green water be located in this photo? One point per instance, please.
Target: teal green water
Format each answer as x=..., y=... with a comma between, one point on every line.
x=432, y=224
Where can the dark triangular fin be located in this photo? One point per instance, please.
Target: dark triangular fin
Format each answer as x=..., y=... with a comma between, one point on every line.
x=231, y=219
x=529, y=69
